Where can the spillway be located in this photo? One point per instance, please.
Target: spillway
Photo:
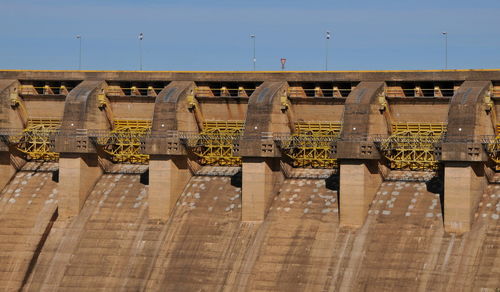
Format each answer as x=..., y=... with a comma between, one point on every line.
x=249, y=181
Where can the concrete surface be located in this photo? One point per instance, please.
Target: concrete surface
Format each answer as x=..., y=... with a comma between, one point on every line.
x=84, y=224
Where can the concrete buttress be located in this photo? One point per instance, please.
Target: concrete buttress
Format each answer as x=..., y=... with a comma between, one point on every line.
x=464, y=155
x=261, y=167
x=168, y=165
x=79, y=167
x=359, y=172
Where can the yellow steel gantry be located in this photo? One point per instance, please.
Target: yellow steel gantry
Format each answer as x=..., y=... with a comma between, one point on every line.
x=412, y=145
x=311, y=144
x=37, y=139
x=215, y=143
x=493, y=148
x=124, y=142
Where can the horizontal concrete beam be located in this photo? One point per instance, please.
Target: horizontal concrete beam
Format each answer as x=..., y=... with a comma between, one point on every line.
x=317, y=76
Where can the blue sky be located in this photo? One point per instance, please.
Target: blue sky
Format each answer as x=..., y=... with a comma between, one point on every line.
x=215, y=35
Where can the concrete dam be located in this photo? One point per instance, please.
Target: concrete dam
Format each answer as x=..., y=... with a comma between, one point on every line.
x=249, y=181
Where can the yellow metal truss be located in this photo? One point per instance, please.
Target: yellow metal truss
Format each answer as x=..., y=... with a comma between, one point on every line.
x=214, y=145
x=412, y=145
x=493, y=148
x=124, y=142
x=311, y=144
x=37, y=139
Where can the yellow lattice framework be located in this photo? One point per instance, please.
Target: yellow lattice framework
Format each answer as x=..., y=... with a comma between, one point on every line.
x=412, y=145
x=37, y=139
x=215, y=144
x=493, y=148
x=124, y=142
x=312, y=144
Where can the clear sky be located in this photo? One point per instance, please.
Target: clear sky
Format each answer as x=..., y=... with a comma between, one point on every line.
x=215, y=35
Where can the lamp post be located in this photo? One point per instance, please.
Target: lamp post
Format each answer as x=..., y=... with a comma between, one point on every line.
x=254, y=59
x=141, y=37
x=326, y=50
x=79, y=37
x=445, y=49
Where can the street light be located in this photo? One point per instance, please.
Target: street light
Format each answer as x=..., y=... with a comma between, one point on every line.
x=79, y=37
x=254, y=59
x=445, y=49
x=326, y=52
x=141, y=37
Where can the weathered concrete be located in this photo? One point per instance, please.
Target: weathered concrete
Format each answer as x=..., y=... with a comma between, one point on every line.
x=219, y=236
x=362, y=118
x=78, y=163
x=9, y=117
x=260, y=168
x=77, y=176
x=28, y=207
x=463, y=187
x=81, y=113
x=299, y=247
x=462, y=151
x=264, y=116
x=359, y=181
x=468, y=120
x=168, y=175
x=217, y=76
x=260, y=177
x=359, y=174
x=9, y=164
x=171, y=114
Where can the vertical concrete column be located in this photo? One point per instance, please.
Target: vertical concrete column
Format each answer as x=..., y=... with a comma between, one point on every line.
x=463, y=186
x=259, y=180
x=359, y=181
x=168, y=176
x=77, y=176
